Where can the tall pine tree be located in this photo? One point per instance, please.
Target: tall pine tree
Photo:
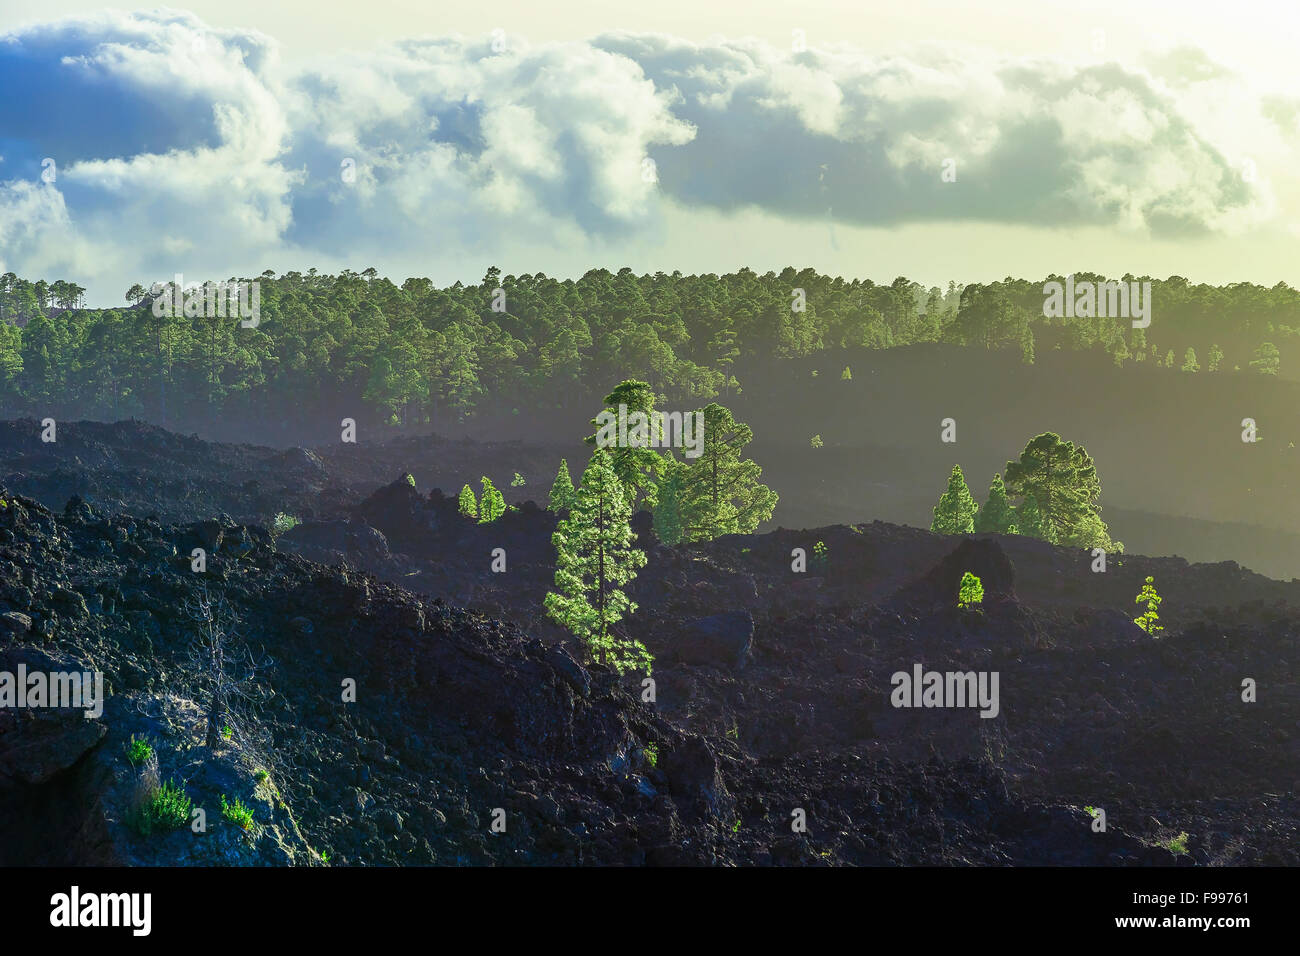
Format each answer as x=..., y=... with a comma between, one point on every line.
x=1030, y=521
x=594, y=560
x=636, y=467
x=721, y=491
x=1062, y=479
x=670, y=519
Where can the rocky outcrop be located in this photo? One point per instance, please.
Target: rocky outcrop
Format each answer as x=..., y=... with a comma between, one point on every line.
x=982, y=556
x=721, y=639
x=38, y=739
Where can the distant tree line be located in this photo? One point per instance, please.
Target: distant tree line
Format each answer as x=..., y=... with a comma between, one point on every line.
x=420, y=354
x=21, y=300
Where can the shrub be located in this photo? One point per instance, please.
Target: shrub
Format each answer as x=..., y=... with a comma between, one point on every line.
x=282, y=523
x=138, y=751
x=167, y=807
x=238, y=814
x=1176, y=845
x=971, y=591
x=651, y=755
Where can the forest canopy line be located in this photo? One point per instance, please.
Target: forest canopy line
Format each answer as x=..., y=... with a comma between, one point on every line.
x=419, y=354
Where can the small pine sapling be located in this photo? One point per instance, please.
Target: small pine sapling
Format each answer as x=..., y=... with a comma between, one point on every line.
x=1147, y=619
x=971, y=592
x=468, y=504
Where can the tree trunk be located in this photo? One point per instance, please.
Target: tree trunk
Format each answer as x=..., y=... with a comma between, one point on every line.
x=216, y=714
x=600, y=578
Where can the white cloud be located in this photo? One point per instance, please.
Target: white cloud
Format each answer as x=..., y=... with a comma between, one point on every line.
x=186, y=148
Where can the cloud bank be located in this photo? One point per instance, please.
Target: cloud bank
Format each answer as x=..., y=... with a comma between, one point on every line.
x=135, y=145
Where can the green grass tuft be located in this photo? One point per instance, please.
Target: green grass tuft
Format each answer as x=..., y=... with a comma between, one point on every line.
x=168, y=808
x=1176, y=845
x=238, y=814
x=138, y=751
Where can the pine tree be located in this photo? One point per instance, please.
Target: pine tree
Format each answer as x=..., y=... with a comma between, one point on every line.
x=971, y=590
x=1189, y=361
x=1267, y=359
x=1030, y=521
x=1138, y=343
x=997, y=514
x=1121, y=353
x=821, y=555
x=594, y=560
x=669, y=518
x=721, y=489
x=1091, y=532
x=846, y=375
x=989, y=319
x=1216, y=358
x=1062, y=479
x=1147, y=619
x=491, y=505
x=468, y=504
x=562, y=493
x=637, y=467
x=955, y=512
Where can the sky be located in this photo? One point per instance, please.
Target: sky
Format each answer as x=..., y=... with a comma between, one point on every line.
x=940, y=141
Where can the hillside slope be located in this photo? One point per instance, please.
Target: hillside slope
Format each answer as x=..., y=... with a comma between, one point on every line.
x=772, y=696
